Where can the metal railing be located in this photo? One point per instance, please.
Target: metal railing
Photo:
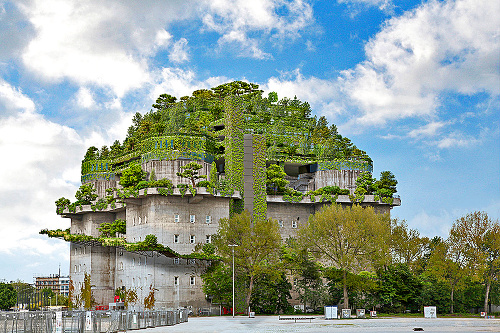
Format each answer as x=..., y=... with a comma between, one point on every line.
x=88, y=321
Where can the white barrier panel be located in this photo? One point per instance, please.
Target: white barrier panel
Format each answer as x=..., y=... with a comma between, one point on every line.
x=430, y=312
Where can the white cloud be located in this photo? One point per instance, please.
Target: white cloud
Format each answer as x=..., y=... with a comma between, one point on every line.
x=439, y=47
x=457, y=139
x=385, y=5
x=178, y=82
x=323, y=95
x=237, y=22
x=430, y=129
x=179, y=51
x=84, y=98
x=98, y=42
x=13, y=100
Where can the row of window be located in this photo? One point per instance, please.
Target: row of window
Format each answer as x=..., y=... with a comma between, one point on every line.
x=192, y=218
x=192, y=239
x=140, y=262
x=281, y=224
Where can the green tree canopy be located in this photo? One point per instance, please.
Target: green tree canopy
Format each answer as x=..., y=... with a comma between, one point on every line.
x=132, y=176
x=85, y=194
x=8, y=296
x=275, y=179
x=350, y=238
x=190, y=171
x=258, y=246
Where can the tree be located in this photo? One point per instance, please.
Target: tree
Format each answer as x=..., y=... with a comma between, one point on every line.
x=399, y=288
x=275, y=179
x=406, y=244
x=190, y=171
x=258, y=244
x=127, y=295
x=85, y=194
x=150, y=300
x=164, y=101
x=132, y=176
x=448, y=263
x=271, y=294
x=478, y=239
x=87, y=297
x=91, y=154
x=111, y=229
x=365, y=183
x=217, y=283
x=350, y=238
x=386, y=185
x=8, y=296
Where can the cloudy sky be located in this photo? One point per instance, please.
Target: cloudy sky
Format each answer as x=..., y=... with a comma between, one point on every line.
x=414, y=83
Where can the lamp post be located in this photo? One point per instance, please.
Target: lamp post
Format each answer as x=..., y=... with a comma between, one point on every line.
x=232, y=246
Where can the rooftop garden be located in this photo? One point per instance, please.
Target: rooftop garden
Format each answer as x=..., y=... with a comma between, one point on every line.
x=193, y=127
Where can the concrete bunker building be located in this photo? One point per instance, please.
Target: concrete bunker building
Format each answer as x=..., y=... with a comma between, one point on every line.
x=240, y=149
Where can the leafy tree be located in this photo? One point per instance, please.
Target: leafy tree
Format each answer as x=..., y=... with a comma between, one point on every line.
x=258, y=244
x=8, y=296
x=386, y=185
x=399, y=289
x=87, y=297
x=478, y=239
x=275, y=179
x=190, y=171
x=164, y=101
x=365, y=183
x=217, y=283
x=271, y=294
x=272, y=97
x=150, y=300
x=132, y=176
x=111, y=229
x=86, y=194
x=115, y=149
x=62, y=203
x=448, y=263
x=406, y=244
x=349, y=238
x=91, y=154
x=127, y=295
x=152, y=176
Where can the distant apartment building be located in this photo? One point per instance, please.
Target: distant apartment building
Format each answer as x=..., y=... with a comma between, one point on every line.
x=58, y=284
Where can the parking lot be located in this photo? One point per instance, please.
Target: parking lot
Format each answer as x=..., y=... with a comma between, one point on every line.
x=319, y=324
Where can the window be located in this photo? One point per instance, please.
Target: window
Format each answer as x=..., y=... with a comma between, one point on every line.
x=133, y=221
x=140, y=220
x=75, y=268
x=191, y=261
x=280, y=223
x=121, y=266
x=192, y=218
x=294, y=224
x=176, y=238
x=192, y=280
x=176, y=261
x=176, y=218
x=208, y=239
x=133, y=261
x=176, y=280
x=192, y=239
x=208, y=219
x=145, y=219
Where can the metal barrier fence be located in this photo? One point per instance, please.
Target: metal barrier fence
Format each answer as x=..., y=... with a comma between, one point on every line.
x=88, y=321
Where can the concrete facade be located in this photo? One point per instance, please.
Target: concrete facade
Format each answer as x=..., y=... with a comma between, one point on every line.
x=179, y=222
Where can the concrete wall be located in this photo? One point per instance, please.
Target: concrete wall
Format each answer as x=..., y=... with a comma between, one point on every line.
x=156, y=215
x=340, y=178
x=169, y=169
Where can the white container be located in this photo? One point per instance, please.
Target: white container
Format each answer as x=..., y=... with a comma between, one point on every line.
x=331, y=312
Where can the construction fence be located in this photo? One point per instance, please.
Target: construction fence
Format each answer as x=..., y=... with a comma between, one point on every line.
x=88, y=321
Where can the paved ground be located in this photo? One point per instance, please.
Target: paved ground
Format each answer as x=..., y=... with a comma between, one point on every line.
x=270, y=324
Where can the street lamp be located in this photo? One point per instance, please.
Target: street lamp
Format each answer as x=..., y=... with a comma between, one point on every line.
x=232, y=246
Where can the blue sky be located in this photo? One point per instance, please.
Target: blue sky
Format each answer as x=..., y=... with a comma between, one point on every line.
x=414, y=84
